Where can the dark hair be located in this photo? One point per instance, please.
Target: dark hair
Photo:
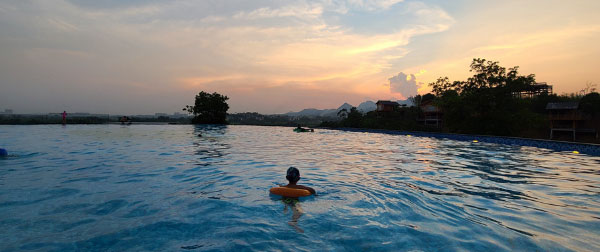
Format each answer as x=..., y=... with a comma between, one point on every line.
x=293, y=174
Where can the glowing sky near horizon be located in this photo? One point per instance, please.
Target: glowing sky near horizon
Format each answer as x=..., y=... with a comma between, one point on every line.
x=147, y=56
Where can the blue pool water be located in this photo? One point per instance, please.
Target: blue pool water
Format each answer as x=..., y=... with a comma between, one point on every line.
x=163, y=188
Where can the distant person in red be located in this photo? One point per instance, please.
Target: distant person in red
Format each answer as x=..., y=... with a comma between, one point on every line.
x=124, y=120
x=64, y=114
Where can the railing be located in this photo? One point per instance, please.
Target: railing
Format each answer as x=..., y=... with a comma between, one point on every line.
x=569, y=117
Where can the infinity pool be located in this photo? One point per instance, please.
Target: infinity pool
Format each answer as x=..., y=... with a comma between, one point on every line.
x=164, y=188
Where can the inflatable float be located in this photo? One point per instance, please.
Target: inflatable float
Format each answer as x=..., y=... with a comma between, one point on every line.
x=303, y=130
x=289, y=192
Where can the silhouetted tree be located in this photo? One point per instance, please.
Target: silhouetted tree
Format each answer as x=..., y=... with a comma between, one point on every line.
x=589, y=88
x=417, y=100
x=485, y=103
x=353, y=118
x=343, y=113
x=209, y=108
x=590, y=103
x=488, y=75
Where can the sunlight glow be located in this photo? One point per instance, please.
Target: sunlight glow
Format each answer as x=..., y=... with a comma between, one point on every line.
x=165, y=51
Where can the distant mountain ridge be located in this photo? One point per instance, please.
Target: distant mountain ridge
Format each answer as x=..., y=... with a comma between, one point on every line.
x=320, y=112
x=367, y=106
x=364, y=107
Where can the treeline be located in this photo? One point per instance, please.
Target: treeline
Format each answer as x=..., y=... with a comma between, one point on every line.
x=401, y=118
x=44, y=119
x=489, y=103
x=167, y=119
x=48, y=119
x=253, y=118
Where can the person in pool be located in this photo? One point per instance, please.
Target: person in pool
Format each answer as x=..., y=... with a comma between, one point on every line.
x=293, y=175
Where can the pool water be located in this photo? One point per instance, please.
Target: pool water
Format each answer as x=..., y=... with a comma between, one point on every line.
x=164, y=188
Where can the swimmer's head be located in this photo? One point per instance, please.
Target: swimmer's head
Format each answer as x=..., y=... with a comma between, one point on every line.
x=293, y=175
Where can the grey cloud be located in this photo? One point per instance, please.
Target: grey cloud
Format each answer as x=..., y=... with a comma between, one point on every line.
x=404, y=85
x=111, y=4
x=115, y=56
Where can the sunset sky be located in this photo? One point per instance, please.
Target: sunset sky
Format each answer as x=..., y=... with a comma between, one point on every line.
x=147, y=56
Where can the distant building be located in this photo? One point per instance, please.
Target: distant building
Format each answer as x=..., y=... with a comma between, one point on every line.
x=432, y=115
x=540, y=88
x=386, y=106
x=75, y=114
x=179, y=115
x=7, y=112
x=80, y=114
x=143, y=116
x=566, y=117
x=160, y=114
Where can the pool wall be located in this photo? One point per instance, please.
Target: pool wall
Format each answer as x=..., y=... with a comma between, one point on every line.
x=584, y=148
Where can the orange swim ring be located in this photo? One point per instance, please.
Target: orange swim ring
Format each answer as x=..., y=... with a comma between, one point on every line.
x=290, y=192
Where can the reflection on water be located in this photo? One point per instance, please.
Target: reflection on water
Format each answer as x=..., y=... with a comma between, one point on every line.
x=210, y=145
x=164, y=188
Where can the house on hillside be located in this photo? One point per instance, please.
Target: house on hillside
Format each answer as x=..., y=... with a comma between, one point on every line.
x=386, y=106
x=432, y=115
x=566, y=117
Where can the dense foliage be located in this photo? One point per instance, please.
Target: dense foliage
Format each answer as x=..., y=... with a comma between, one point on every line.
x=253, y=118
x=488, y=103
x=44, y=119
x=402, y=118
x=209, y=108
x=590, y=104
x=485, y=103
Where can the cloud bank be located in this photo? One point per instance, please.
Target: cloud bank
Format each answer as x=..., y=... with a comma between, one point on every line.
x=146, y=56
x=155, y=50
x=152, y=50
x=404, y=84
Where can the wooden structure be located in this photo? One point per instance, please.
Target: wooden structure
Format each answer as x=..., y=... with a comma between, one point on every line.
x=432, y=115
x=386, y=106
x=534, y=90
x=566, y=116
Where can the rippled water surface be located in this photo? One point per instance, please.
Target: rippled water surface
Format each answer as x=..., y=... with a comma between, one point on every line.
x=164, y=188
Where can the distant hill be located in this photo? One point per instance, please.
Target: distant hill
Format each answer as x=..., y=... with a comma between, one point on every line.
x=364, y=107
x=406, y=102
x=311, y=112
x=307, y=112
x=367, y=106
x=344, y=106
